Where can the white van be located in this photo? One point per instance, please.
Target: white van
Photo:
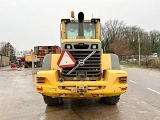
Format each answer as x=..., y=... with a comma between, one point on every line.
x=155, y=55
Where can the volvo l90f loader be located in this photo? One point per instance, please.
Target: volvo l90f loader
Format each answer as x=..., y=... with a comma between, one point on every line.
x=82, y=70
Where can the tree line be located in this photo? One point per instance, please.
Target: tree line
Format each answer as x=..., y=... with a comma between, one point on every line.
x=124, y=40
x=7, y=49
x=118, y=38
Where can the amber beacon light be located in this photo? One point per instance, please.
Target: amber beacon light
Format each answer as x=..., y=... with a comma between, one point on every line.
x=72, y=14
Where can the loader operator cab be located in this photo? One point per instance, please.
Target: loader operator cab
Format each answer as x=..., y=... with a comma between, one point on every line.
x=80, y=29
x=72, y=30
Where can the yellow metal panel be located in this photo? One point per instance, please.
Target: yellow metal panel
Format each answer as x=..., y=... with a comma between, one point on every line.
x=28, y=58
x=55, y=58
x=110, y=86
x=106, y=62
x=51, y=77
x=98, y=30
x=81, y=40
x=63, y=32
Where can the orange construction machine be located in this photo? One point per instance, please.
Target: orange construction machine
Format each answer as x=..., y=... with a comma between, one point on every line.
x=14, y=65
x=41, y=51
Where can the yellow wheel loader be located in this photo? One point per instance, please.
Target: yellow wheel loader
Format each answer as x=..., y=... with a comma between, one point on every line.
x=28, y=61
x=82, y=70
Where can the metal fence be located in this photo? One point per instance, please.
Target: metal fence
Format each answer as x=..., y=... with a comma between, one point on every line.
x=145, y=60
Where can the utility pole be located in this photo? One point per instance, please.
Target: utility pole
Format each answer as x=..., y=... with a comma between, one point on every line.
x=9, y=51
x=32, y=54
x=139, y=48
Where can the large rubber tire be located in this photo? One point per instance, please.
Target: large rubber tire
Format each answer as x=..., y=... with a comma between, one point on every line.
x=110, y=100
x=38, y=64
x=52, y=101
x=30, y=64
x=26, y=65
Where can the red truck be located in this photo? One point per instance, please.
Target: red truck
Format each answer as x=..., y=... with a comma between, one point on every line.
x=41, y=51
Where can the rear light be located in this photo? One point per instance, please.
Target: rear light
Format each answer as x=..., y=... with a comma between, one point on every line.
x=40, y=80
x=40, y=89
x=123, y=79
x=124, y=89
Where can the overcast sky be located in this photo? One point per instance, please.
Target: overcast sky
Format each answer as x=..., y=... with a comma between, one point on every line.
x=28, y=23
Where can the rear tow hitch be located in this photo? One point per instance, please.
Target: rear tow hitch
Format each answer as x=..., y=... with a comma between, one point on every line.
x=81, y=90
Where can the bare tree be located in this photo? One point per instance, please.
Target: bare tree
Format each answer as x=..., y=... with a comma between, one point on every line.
x=154, y=38
x=112, y=30
x=132, y=36
x=121, y=48
x=4, y=48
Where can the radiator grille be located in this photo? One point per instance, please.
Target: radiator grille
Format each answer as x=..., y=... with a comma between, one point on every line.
x=91, y=70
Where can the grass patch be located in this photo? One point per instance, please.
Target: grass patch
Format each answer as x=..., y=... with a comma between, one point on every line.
x=132, y=65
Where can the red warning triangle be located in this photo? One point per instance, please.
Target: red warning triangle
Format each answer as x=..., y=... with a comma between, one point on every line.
x=66, y=60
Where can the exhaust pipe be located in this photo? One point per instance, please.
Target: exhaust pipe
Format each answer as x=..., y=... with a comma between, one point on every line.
x=80, y=25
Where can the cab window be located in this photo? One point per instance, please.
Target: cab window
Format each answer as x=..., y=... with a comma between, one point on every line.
x=72, y=30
